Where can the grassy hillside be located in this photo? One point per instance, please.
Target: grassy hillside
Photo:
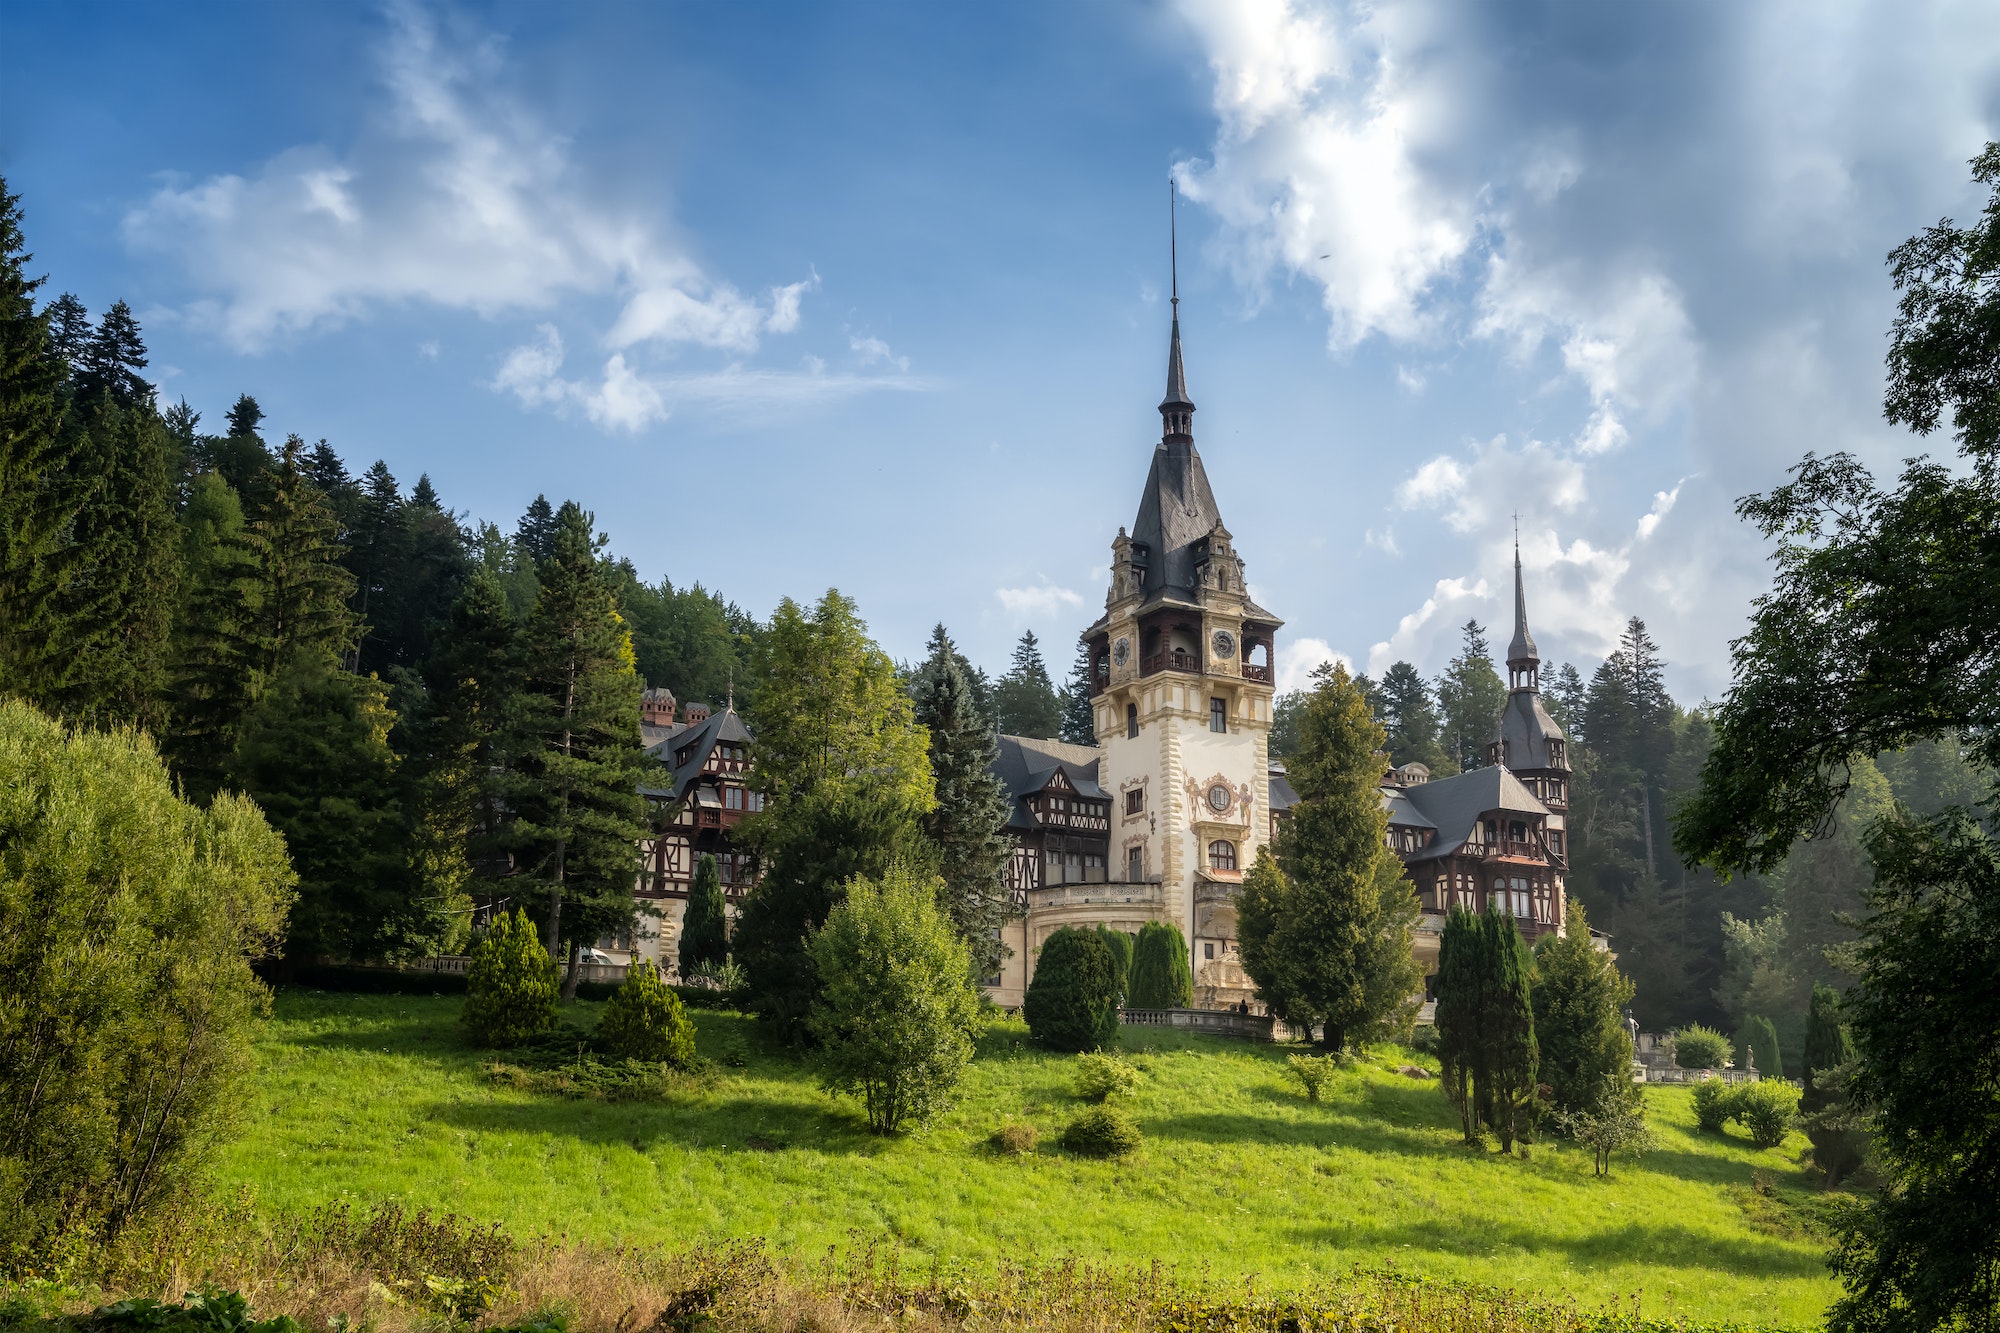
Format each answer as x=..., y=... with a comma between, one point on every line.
x=375, y=1097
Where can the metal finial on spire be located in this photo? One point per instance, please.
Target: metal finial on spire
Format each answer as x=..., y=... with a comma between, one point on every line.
x=1174, y=242
x=1176, y=410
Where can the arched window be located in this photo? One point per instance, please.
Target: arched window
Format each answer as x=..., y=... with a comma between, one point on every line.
x=1221, y=855
x=1132, y=721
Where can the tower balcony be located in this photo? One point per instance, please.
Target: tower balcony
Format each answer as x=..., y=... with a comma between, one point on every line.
x=1178, y=660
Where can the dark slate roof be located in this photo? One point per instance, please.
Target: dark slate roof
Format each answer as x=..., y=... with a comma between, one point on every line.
x=1176, y=513
x=1525, y=730
x=1522, y=649
x=1402, y=813
x=702, y=737
x=1025, y=766
x=1455, y=804
x=1177, y=394
x=1282, y=795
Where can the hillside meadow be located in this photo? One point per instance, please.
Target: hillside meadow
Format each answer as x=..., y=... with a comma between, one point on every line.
x=377, y=1098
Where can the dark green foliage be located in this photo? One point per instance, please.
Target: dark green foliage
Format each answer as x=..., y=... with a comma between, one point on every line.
x=510, y=984
x=244, y=417
x=1470, y=696
x=689, y=640
x=1079, y=720
x=1162, y=977
x=1072, y=1000
x=1326, y=922
x=1767, y=1108
x=1024, y=698
x=201, y=1312
x=1101, y=1131
x=1121, y=959
x=535, y=533
x=1286, y=710
x=69, y=329
x=819, y=843
x=1485, y=1024
x=111, y=361
x=1759, y=1044
x=972, y=805
x=645, y=1020
x=579, y=767
x=1698, y=1047
x=705, y=921
x=1828, y=1043
x=128, y=922
x=1838, y=1127
x=314, y=753
x=1409, y=713
x=1714, y=1104
x=1616, y=1124
x=1579, y=1007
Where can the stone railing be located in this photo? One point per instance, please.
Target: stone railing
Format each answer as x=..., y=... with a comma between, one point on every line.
x=458, y=963
x=1113, y=892
x=1211, y=1022
x=1645, y=1073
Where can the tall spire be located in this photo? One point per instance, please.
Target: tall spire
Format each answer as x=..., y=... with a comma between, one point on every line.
x=1524, y=660
x=1176, y=409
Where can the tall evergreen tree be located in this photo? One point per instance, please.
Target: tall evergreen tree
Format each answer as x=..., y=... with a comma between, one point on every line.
x=1079, y=719
x=69, y=330
x=112, y=359
x=965, y=825
x=1463, y=977
x=239, y=457
x=37, y=498
x=1162, y=973
x=1509, y=1025
x=1409, y=714
x=1315, y=932
x=1027, y=703
x=705, y=924
x=578, y=792
x=374, y=552
x=244, y=417
x=922, y=678
x=535, y=534
x=689, y=640
x=303, y=589
x=1579, y=1008
x=1563, y=693
x=1470, y=696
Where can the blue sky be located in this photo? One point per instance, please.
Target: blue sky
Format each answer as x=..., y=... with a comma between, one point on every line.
x=873, y=295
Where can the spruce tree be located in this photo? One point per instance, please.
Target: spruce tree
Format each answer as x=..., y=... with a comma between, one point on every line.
x=244, y=417
x=1079, y=719
x=69, y=330
x=1470, y=695
x=37, y=497
x=1315, y=933
x=972, y=806
x=314, y=754
x=704, y=922
x=1409, y=714
x=1579, y=1007
x=240, y=457
x=210, y=673
x=1162, y=977
x=302, y=587
x=535, y=534
x=1026, y=701
x=112, y=359
x=922, y=678
x=580, y=771
x=1563, y=693
x=374, y=550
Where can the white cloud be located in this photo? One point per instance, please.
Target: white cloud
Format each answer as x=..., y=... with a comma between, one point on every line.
x=873, y=351
x=1041, y=602
x=1383, y=540
x=1313, y=168
x=1299, y=658
x=457, y=197
x=1448, y=595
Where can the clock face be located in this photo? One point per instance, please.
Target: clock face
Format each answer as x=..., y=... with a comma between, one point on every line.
x=1219, y=797
x=1224, y=643
x=1121, y=651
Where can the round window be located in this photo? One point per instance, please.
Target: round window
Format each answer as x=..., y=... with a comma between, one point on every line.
x=1219, y=797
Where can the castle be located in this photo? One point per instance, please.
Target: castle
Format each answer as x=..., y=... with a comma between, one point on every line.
x=1159, y=820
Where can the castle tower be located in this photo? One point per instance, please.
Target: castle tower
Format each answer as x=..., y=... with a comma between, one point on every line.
x=1182, y=672
x=1526, y=740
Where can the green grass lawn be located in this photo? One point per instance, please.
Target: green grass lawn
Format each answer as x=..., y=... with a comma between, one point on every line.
x=376, y=1097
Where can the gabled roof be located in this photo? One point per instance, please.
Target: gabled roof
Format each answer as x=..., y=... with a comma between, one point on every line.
x=699, y=740
x=1282, y=796
x=1026, y=765
x=1455, y=805
x=1403, y=814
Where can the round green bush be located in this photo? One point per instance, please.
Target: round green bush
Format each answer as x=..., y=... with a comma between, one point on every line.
x=510, y=985
x=1072, y=1004
x=1101, y=1131
x=1100, y=1077
x=1160, y=978
x=646, y=1021
x=1767, y=1109
x=1698, y=1047
x=1714, y=1104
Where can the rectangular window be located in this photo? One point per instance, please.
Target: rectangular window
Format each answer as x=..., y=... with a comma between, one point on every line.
x=1556, y=841
x=1135, y=800
x=1208, y=948
x=1093, y=869
x=732, y=798
x=1131, y=722
x=1218, y=715
x=1073, y=867
x=1135, y=865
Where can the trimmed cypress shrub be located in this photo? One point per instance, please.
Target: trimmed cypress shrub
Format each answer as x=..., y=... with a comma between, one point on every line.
x=510, y=985
x=1121, y=959
x=1161, y=977
x=1760, y=1042
x=1072, y=1004
x=705, y=923
x=645, y=1020
x=1828, y=1046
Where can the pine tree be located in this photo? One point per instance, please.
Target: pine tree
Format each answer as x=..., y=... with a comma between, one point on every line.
x=69, y=330
x=244, y=417
x=1162, y=977
x=1312, y=920
x=37, y=499
x=1409, y=714
x=705, y=921
x=303, y=589
x=239, y=457
x=112, y=359
x=510, y=984
x=1579, y=1006
x=921, y=678
x=1025, y=699
x=579, y=783
x=1079, y=719
x=374, y=549
x=1470, y=695
x=314, y=754
x=645, y=1020
x=535, y=534
x=972, y=807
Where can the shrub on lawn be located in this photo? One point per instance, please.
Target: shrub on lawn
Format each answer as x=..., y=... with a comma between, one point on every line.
x=1698, y=1047
x=1072, y=1004
x=1311, y=1073
x=897, y=1007
x=1767, y=1109
x=645, y=1020
x=510, y=984
x=128, y=920
x=1016, y=1138
x=1161, y=978
x=1101, y=1131
x=1714, y=1104
x=1616, y=1123
x=1099, y=1077
x=1121, y=959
